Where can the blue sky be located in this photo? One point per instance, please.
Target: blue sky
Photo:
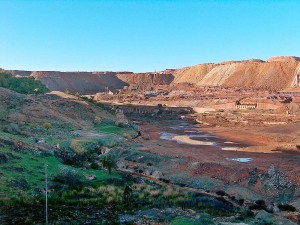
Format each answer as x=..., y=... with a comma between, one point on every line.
x=141, y=36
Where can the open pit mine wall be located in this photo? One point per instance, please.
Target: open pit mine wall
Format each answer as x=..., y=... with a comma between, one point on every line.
x=277, y=73
x=94, y=82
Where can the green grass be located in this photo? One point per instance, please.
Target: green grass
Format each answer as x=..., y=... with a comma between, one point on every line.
x=12, y=137
x=204, y=219
x=32, y=168
x=111, y=128
x=182, y=221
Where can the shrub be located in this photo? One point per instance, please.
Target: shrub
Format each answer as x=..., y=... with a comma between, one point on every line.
x=12, y=128
x=221, y=193
x=286, y=207
x=77, y=95
x=101, y=105
x=68, y=176
x=24, y=85
x=259, y=204
x=32, y=125
x=240, y=201
x=95, y=166
x=47, y=126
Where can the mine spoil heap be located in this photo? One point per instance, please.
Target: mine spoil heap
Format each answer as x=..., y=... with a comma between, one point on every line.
x=277, y=73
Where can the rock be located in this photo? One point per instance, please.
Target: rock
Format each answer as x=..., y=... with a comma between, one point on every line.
x=270, y=209
x=264, y=216
x=41, y=141
x=121, y=120
x=90, y=176
x=157, y=174
x=97, y=120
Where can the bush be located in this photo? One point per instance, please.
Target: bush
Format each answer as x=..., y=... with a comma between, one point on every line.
x=68, y=176
x=47, y=126
x=12, y=128
x=101, y=105
x=95, y=166
x=221, y=193
x=240, y=201
x=24, y=85
x=286, y=207
x=259, y=204
x=77, y=95
x=67, y=156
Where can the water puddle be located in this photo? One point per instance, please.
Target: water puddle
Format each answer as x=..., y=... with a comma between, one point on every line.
x=185, y=139
x=242, y=160
x=229, y=142
x=167, y=136
x=191, y=134
x=230, y=148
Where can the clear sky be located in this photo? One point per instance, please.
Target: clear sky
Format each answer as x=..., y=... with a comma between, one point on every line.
x=141, y=36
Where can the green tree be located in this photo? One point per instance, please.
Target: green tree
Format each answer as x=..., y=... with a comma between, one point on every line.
x=108, y=163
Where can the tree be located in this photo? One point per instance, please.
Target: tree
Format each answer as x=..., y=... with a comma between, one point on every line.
x=108, y=163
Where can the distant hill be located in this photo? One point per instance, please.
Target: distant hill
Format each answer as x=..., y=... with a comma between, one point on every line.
x=93, y=82
x=276, y=73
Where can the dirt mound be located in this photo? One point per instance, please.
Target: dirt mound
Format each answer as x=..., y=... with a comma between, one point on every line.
x=146, y=79
x=275, y=74
x=82, y=82
x=93, y=82
x=283, y=59
x=193, y=74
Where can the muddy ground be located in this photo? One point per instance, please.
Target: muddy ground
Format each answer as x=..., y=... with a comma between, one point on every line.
x=215, y=158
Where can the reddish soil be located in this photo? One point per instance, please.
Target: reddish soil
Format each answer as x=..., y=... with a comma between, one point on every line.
x=210, y=161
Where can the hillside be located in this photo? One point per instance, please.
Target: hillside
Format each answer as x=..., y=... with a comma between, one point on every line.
x=93, y=82
x=276, y=73
x=146, y=80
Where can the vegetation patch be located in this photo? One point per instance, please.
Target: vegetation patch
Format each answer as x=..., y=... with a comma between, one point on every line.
x=24, y=85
